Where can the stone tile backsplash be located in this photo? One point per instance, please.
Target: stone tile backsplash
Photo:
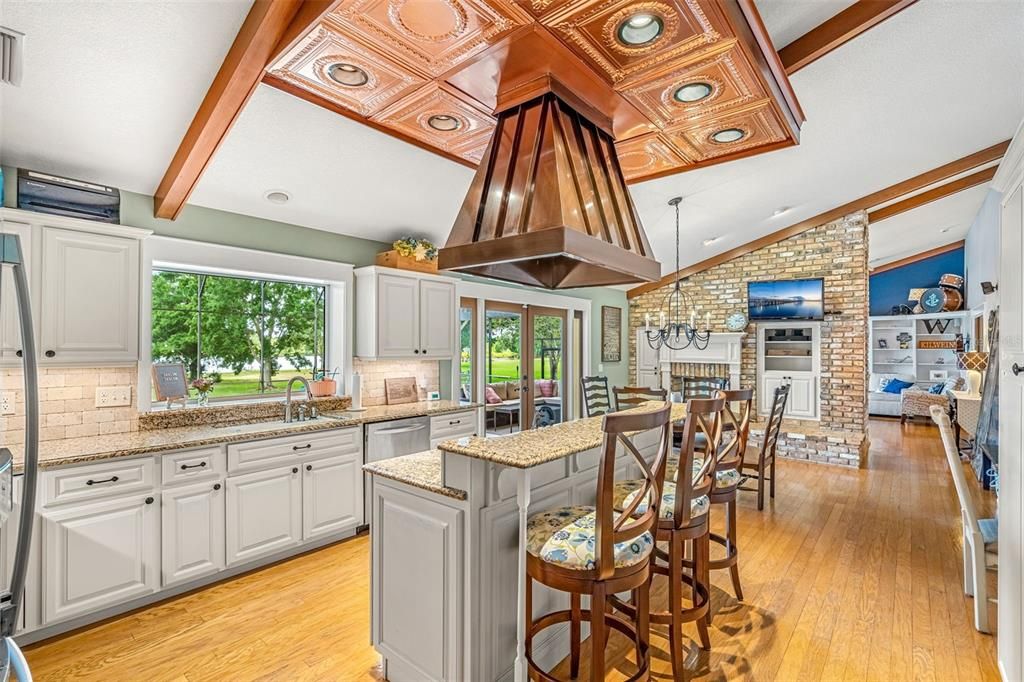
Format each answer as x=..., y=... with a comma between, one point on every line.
x=67, y=403
x=427, y=373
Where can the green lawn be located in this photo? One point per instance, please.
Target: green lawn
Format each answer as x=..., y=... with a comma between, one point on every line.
x=507, y=369
x=247, y=383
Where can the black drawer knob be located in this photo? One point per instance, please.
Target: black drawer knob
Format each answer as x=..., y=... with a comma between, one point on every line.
x=149, y=500
x=216, y=486
x=19, y=353
x=309, y=467
x=1016, y=369
x=415, y=351
x=295, y=470
x=50, y=353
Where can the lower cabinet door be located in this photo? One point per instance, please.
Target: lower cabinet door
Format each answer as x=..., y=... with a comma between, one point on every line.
x=99, y=554
x=767, y=397
x=802, y=399
x=264, y=513
x=193, y=531
x=332, y=495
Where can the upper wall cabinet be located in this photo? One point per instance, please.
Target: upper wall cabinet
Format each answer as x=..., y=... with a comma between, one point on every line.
x=404, y=315
x=84, y=281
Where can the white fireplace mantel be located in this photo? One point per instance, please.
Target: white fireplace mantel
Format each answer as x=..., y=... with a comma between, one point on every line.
x=724, y=348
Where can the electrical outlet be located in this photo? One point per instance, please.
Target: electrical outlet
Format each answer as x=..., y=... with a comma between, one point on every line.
x=113, y=396
x=7, y=402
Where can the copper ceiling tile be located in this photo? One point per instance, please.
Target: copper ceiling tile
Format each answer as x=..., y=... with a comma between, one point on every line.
x=760, y=125
x=647, y=155
x=412, y=117
x=308, y=63
x=689, y=28
x=732, y=80
x=431, y=36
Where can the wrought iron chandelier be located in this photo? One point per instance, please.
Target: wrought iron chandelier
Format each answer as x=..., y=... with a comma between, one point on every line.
x=678, y=333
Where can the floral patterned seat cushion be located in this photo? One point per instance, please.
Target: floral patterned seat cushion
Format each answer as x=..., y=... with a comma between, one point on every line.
x=626, y=491
x=725, y=478
x=567, y=536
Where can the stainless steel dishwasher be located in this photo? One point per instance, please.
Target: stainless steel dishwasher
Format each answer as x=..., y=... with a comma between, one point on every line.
x=392, y=439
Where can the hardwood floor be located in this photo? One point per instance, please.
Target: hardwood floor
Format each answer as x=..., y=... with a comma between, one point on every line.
x=847, y=575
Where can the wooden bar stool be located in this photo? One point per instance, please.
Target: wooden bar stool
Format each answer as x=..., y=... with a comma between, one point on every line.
x=627, y=397
x=683, y=520
x=596, y=399
x=598, y=552
x=759, y=462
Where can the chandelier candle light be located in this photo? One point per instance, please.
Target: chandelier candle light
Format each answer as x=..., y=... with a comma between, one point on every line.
x=678, y=332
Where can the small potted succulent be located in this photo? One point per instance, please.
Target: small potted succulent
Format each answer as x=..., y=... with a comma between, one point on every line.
x=323, y=384
x=204, y=387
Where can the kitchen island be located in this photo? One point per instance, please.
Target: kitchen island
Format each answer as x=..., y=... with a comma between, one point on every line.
x=449, y=548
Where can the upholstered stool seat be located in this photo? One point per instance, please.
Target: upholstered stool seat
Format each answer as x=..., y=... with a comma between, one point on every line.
x=567, y=536
x=626, y=491
x=723, y=479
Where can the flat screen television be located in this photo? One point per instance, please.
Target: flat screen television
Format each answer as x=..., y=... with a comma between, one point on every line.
x=786, y=299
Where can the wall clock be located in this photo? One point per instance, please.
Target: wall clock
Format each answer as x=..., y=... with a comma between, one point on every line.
x=736, y=322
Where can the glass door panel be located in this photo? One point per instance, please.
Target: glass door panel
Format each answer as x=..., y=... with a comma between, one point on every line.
x=503, y=367
x=547, y=386
x=467, y=350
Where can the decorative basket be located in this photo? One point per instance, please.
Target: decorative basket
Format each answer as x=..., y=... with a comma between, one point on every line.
x=393, y=259
x=323, y=388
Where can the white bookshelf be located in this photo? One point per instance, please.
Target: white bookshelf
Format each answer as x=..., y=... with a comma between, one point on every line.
x=913, y=360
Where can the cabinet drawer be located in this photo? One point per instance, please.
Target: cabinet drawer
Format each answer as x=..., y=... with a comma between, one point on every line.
x=455, y=425
x=94, y=481
x=192, y=465
x=277, y=451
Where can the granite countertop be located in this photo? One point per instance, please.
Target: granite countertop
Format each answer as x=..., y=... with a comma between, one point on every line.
x=55, y=453
x=535, y=447
x=421, y=470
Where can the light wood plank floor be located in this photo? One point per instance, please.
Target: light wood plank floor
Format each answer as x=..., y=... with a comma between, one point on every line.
x=848, y=575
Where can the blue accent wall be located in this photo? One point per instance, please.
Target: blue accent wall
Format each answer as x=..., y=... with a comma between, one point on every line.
x=890, y=288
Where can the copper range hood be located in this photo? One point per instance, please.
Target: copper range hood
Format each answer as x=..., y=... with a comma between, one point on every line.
x=548, y=206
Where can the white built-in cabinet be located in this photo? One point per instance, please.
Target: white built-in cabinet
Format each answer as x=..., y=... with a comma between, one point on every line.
x=648, y=368
x=789, y=353
x=332, y=495
x=402, y=314
x=193, y=531
x=264, y=513
x=84, y=282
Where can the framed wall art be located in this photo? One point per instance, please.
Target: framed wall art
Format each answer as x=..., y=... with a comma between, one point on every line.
x=611, y=334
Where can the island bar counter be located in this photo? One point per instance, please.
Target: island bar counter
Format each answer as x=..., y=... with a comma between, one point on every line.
x=449, y=548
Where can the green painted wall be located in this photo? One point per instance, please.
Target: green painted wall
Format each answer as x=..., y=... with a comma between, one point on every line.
x=234, y=229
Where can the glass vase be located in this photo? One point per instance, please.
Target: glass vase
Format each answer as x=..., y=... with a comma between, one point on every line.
x=204, y=400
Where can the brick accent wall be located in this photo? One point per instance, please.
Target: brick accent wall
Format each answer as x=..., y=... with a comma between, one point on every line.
x=836, y=251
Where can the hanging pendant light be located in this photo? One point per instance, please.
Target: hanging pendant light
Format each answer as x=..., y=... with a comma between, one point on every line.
x=678, y=332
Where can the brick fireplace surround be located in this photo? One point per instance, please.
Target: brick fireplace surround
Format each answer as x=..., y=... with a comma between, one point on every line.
x=838, y=252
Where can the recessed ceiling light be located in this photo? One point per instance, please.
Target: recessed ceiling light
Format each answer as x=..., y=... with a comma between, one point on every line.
x=642, y=28
x=728, y=135
x=347, y=74
x=780, y=210
x=692, y=92
x=711, y=240
x=444, y=123
x=277, y=196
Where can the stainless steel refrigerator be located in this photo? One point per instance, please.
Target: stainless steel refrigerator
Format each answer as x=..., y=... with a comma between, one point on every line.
x=11, y=658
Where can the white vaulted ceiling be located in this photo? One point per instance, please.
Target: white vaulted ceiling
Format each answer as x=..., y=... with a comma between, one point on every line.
x=111, y=87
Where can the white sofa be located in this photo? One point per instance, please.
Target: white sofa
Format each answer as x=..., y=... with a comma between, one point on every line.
x=880, y=403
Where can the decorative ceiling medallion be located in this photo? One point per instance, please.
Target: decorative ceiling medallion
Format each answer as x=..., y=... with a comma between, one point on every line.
x=590, y=29
x=669, y=25
x=428, y=20
x=307, y=66
x=760, y=125
x=646, y=155
x=412, y=117
x=430, y=36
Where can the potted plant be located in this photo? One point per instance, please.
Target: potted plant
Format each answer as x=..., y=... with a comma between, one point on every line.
x=204, y=387
x=410, y=253
x=323, y=384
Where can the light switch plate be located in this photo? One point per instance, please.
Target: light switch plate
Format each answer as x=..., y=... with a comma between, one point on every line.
x=113, y=396
x=7, y=402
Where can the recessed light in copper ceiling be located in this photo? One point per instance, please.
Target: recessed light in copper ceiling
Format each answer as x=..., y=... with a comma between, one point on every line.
x=347, y=74
x=639, y=29
x=692, y=92
x=727, y=135
x=444, y=123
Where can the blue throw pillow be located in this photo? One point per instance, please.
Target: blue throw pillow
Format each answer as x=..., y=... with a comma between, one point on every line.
x=896, y=386
x=937, y=389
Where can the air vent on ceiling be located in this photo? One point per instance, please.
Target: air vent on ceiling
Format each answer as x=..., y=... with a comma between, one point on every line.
x=12, y=47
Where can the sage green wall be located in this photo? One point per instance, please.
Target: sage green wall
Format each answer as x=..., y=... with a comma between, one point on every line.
x=234, y=229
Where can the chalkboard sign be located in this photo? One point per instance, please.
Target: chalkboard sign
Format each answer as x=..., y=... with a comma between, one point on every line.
x=169, y=382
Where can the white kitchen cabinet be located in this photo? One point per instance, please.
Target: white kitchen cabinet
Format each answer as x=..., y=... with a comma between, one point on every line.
x=789, y=353
x=332, y=495
x=803, y=395
x=404, y=315
x=99, y=553
x=10, y=328
x=264, y=513
x=90, y=297
x=193, y=531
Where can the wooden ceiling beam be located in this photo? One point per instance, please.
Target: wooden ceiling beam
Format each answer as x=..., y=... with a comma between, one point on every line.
x=270, y=28
x=837, y=31
x=933, y=194
x=937, y=251
x=891, y=193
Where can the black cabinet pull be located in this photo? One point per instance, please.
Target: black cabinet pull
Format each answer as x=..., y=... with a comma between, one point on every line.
x=216, y=486
x=185, y=467
x=454, y=422
x=19, y=353
x=1016, y=369
x=424, y=351
x=309, y=467
x=50, y=353
x=415, y=351
x=307, y=446
x=112, y=479
x=149, y=500
x=295, y=470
